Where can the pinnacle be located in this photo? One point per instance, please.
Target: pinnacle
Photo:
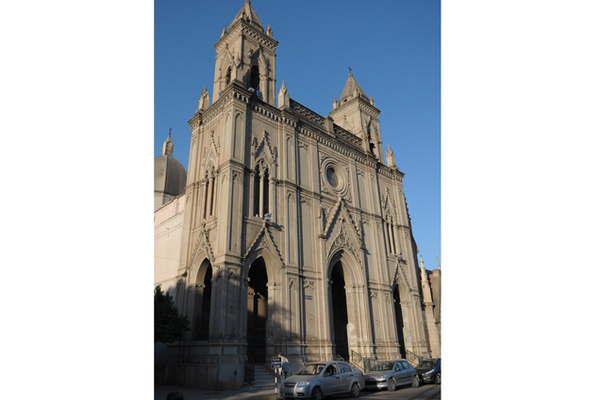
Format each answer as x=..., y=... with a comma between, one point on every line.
x=247, y=13
x=351, y=87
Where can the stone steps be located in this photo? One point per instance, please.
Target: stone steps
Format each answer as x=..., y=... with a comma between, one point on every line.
x=263, y=378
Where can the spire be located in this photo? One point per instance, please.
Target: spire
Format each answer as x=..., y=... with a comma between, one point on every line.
x=248, y=14
x=283, y=98
x=204, y=101
x=351, y=88
x=391, y=161
x=167, y=148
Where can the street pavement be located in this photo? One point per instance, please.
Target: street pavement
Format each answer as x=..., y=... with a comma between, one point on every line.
x=425, y=392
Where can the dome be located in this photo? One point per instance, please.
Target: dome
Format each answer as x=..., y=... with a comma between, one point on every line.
x=169, y=176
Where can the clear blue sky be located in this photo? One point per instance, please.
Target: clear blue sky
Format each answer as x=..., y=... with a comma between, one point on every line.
x=393, y=47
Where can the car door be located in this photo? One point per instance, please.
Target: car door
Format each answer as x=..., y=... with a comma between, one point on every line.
x=340, y=378
x=348, y=377
x=408, y=372
x=330, y=380
x=397, y=374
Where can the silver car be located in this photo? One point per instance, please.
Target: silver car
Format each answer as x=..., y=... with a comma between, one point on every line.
x=322, y=379
x=391, y=374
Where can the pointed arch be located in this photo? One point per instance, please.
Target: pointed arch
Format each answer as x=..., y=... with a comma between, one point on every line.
x=264, y=158
x=200, y=299
x=264, y=246
x=228, y=75
x=350, y=266
x=257, y=315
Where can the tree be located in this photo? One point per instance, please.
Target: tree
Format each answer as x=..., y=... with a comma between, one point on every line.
x=169, y=325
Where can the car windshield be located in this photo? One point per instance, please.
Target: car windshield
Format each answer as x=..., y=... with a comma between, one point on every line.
x=311, y=369
x=426, y=365
x=382, y=366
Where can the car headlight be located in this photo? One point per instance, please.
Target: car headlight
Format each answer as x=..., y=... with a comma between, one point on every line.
x=381, y=379
x=303, y=384
x=428, y=373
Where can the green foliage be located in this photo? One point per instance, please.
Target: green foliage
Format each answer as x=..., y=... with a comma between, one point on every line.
x=169, y=325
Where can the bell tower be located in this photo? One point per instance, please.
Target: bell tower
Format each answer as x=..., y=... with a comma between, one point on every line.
x=245, y=53
x=357, y=113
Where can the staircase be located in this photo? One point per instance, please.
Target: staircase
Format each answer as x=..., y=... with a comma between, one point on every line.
x=263, y=377
x=412, y=358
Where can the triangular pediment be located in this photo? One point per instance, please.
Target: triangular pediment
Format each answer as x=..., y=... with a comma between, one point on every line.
x=339, y=213
x=264, y=239
x=202, y=247
x=262, y=148
x=341, y=231
x=388, y=206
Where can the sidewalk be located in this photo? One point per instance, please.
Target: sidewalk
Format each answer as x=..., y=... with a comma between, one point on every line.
x=246, y=393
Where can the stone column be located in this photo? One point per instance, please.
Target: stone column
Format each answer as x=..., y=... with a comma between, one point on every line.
x=367, y=333
x=420, y=342
x=433, y=334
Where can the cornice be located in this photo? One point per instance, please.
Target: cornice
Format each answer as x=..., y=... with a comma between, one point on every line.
x=363, y=104
x=308, y=124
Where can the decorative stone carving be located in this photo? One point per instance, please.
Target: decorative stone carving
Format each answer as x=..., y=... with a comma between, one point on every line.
x=264, y=238
x=262, y=148
x=202, y=246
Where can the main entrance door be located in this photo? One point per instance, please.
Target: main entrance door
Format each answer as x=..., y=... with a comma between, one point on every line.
x=202, y=297
x=399, y=320
x=340, y=312
x=257, y=311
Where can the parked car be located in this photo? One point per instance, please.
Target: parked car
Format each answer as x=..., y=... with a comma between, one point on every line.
x=323, y=379
x=430, y=370
x=391, y=374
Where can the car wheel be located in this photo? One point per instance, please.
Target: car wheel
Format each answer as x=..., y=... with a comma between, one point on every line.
x=416, y=382
x=317, y=394
x=438, y=378
x=391, y=385
x=355, y=390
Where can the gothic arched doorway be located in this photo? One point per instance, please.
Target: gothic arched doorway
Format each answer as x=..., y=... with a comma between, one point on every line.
x=399, y=320
x=339, y=312
x=202, y=295
x=257, y=311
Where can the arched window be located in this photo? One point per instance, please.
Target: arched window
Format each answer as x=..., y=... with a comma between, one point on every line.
x=265, y=204
x=261, y=189
x=254, y=78
x=370, y=137
x=389, y=234
x=256, y=191
x=228, y=76
x=213, y=194
x=206, y=188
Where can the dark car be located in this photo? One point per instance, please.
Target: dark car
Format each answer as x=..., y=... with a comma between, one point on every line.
x=430, y=370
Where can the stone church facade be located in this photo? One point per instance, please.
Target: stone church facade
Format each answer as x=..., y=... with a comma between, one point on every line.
x=292, y=235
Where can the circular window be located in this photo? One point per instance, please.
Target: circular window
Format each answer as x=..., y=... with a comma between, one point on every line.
x=332, y=176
